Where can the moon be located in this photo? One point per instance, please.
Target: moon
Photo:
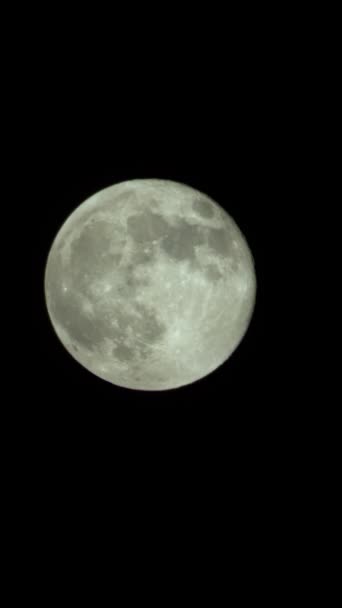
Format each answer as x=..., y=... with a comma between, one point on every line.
x=150, y=284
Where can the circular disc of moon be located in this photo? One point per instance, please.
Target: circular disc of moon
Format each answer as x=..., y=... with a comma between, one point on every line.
x=150, y=284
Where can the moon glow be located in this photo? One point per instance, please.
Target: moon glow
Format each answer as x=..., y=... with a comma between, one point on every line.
x=150, y=284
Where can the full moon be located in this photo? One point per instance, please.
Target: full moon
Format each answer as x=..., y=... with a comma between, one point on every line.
x=150, y=284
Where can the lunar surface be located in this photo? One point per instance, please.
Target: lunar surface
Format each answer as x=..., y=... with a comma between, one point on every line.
x=150, y=284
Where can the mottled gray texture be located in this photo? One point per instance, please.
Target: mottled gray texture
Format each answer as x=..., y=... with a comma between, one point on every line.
x=145, y=227
x=220, y=240
x=150, y=285
x=203, y=207
x=212, y=272
x=180, y=242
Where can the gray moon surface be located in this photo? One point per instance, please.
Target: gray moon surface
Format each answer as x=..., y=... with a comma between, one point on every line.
x=150, y=284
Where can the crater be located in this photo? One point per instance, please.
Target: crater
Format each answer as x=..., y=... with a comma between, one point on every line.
x=203, y=207
x=94, y=239
x=154, y=204
x=124, y=196
x=127, y=289
x=123, y=352
x=181, y=240
x=141, y=325
x=212, y=273
x=131, y=281
x=144, y=351
x=147, y=324
x=67, y=309
x=139, y=256
x=146, y=227
x=94, y=253
x=220, y=241
x=116, y=258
